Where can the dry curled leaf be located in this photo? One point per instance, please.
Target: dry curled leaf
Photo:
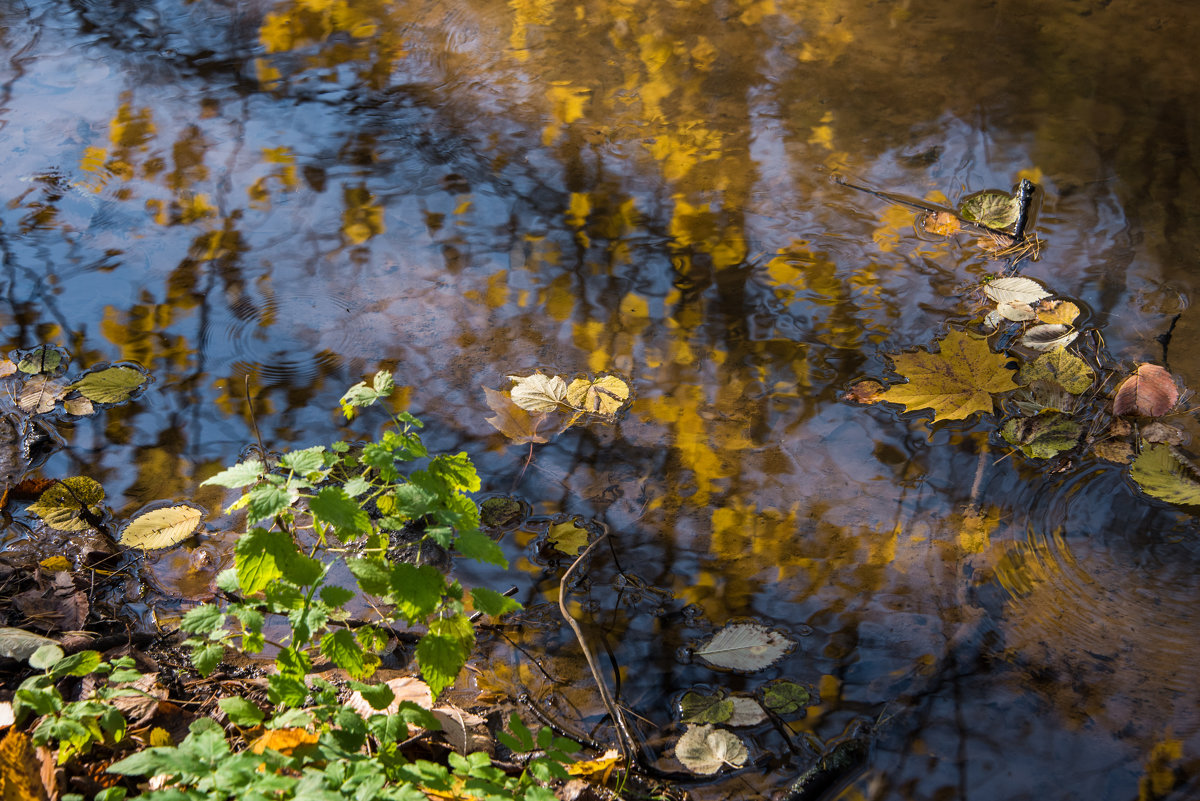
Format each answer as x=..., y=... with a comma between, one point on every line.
x=511, y=420
x=864, y=392
x=1049, y=337
x=1056, y=312
x=706, y=749
x=1016, y=310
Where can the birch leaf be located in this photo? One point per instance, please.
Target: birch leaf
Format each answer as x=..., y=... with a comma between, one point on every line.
x=696, y=707
x=745, y=647
x=568, y=537
x=1150, y=391
x=1024, y=290
x=163, y=527
x=538, y=393
x=604, y=395
x=955, y=382
x=705, y=749
x=42, y=359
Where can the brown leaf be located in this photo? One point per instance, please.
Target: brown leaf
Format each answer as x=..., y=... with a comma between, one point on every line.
x=865, y=391
x=511, y=420
x=1159, y=431
x=1114, y=450
x=1150, y=391
x=20, y=779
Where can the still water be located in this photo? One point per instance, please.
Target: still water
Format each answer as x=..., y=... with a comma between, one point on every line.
x=287, y=195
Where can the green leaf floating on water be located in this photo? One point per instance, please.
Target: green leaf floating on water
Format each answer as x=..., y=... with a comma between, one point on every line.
x=112, y=384
x=1162, y=473
x=42, y=359
x=1063, y=368
x=696, y=707
x=991, y=208
x=1044, y=435
x=62, y=506
x=785, y=697
x=161, y=527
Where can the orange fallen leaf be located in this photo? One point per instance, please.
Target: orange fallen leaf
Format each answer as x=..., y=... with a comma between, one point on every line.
x=285, y=741
x=1150, y=391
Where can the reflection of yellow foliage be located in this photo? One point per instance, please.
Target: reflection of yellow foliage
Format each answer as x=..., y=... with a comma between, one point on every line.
x=527, y=13
x=1160, y=778
x=141, y=334
x=699, y=443
x=767, y=537
x=974, y=533
x=363, y=218
x=567, y=102
x=130, y=128
x=580, y=207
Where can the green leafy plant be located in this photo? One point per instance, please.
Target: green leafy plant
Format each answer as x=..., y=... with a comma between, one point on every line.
x=312, y=744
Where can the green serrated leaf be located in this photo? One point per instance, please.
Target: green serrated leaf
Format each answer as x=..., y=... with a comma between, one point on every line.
x=242, y=474
x=416, y=590
x=341, y=648
x=241, y=712
x=260, y=556
x=334, y=507
x=308, y=460
x=336, y=596
x=206, y=655
x=203, y=619
x=443, y=652
x=493, y=603
x=457, y=471
x=266, y=501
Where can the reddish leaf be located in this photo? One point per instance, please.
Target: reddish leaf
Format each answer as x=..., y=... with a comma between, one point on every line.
x=1150, y=392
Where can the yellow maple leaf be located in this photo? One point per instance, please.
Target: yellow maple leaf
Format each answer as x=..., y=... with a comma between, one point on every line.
x=955, y=382
x=604, y=395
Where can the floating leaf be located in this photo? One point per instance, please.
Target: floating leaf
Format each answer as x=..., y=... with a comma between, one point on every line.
x=78, y=406
x=942, y=223
x=7, y=367
x=42, y=359
x=55, y=564
x=1044, y=435
x=511, y=420
x=785, y=697
x=538, y=393
x=746, y=712
x=1114, y=450
x=1150, y=391
x=569, y=537
x=40, y=393
x=1162, y=473
x=63, y=505
x=598, y=769
x=20, y=644
x=111, y=384
x=696, y=707
x=1158, y=431
x=604, y=395
x=1065, y=369
x=1049, y=337
x=1016, y=310
x=993, y=209
x=864, y=392
x=955, y=382
x=152, y=529
x=1025, y=290
x=1057, y=312
x=705, y=749
x=993, y=320
x=745, y=647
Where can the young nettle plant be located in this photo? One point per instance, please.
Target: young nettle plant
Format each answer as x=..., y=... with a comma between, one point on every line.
x=346, y=494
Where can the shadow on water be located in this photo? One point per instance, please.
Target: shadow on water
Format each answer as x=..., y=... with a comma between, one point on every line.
x=287, y=195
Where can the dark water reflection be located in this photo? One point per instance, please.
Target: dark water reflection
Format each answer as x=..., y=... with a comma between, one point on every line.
x=299, y=192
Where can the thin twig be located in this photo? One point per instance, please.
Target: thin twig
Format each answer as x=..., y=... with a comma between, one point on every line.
x=625, y=739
